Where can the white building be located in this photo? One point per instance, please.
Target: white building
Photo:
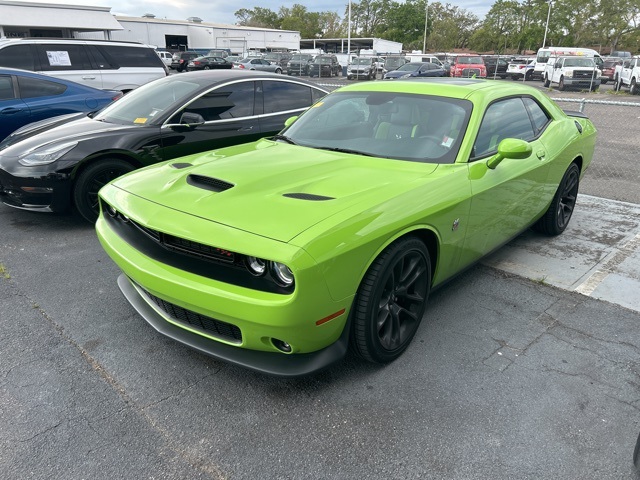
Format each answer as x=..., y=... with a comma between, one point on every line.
x=27, y=19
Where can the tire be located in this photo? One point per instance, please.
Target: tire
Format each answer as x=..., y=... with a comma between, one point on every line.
x=617, y=85
x=633, y=87
x=547, y=82
x=556, y=218
x=96, y=175
x=515, y=77
x=528, y=76
x=561, y=85
x=604, y=82
x=206, y=67
x=595, y=88
x=278, y=71
x=391, y=301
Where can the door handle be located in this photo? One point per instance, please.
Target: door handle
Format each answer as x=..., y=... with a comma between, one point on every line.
x=10, y=111
x=246, y=129
x=88, y=77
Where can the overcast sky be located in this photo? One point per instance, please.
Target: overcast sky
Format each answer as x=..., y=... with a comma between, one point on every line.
x=222, y=11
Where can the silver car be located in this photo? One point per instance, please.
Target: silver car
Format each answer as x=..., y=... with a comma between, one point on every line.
x=257, y=64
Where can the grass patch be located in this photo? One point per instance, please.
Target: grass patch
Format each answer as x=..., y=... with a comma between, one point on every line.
x=4, y=272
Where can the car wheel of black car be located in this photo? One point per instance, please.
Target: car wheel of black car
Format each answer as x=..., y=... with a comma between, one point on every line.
x=391, y=301
x=556, y=218
x=91, y=180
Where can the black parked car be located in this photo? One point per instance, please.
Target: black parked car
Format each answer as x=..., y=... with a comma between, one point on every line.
x=209, y=63
x=496, y=66
x=63, y=161
x=325, y=66
x=182, y=59
x=300, y=64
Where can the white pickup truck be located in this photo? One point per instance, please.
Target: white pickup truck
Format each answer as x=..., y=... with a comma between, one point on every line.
x=628, y=75
x=572, y=72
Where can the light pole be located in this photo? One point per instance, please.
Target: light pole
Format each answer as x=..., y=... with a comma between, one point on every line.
x=349, y=34
x=546, y=27
x=426, y=19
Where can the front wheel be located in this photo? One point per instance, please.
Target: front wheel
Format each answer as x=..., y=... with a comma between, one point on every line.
x=547, y=82
x=391, y=301
x=633, y=87
x=91, y=180
x=556, y=218
x=561, y=86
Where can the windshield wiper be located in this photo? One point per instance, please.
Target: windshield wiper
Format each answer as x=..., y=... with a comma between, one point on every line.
x=347, y=150
x=284, y=138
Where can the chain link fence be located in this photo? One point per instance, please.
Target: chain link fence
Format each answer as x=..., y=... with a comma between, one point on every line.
x=615, y=170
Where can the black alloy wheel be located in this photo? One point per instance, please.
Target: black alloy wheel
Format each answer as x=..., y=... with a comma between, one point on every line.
x=557, y=216
x=91, y=180
x=391, y=301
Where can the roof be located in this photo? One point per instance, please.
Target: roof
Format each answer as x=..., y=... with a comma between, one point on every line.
x=77, y=17
x=166, y=21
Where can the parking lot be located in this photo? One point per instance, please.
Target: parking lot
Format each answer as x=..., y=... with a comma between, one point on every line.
x=512, y=374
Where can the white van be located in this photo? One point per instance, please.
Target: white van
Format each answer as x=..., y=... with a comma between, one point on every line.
x=544, y=54
x=97, y=63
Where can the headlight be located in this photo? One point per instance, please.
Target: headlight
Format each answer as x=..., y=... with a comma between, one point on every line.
x=568, y=73
x=257, y=266
x=598, y=73
x=46, y=154
x=406, y=75
x=282, y=274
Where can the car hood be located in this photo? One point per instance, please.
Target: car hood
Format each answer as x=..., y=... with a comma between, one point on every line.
x=67, y=128
x=273, y=189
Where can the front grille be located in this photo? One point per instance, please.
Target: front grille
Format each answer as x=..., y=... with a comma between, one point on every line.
x=209, y=325
x=197, y=249
x=470, y=72
x=584, y=74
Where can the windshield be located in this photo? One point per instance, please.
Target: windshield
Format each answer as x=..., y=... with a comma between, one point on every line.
x=146, y=103
x=469, y=60
x=579, y=62
x=409, y=67
x=301, y=58
x=361, y=61
x=322, y=60
x=543, y=57
x=392, y=63
x=394, y=126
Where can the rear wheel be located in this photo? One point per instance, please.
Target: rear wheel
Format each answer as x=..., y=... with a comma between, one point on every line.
x=391, y=301
x=91, y=180
x=206, y=67
x=556, y=218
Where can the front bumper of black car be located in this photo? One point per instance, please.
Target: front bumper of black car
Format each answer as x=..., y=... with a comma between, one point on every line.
x=48, y=193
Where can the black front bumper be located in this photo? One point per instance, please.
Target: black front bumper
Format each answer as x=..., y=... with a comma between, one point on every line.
x=49, y=193
x=277, y=364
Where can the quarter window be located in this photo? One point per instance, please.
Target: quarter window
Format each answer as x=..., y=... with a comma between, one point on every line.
x=283, y=96
x=6, y=88
x=34, y=87
x=17, y=56
x=538, y=115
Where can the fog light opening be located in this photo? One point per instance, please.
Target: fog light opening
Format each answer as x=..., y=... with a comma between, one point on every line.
x=281, y=345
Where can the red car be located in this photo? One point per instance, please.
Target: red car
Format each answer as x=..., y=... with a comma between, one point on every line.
x=609, y=69
x=468, y=66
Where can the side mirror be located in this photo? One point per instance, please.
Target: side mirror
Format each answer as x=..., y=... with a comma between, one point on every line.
x=510, y=148
x=189, y=121
x=290, y=120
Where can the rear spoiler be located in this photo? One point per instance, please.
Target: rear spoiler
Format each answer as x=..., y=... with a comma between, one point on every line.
x=573, y=113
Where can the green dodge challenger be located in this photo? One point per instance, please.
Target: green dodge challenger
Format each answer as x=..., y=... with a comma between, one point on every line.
x=280, y=255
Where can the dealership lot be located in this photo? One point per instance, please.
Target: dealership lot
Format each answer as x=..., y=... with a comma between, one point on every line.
x=509, y=376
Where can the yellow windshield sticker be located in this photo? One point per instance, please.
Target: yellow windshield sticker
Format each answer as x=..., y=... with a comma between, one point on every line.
x=140, y=120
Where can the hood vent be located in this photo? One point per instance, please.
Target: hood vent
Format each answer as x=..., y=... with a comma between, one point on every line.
x=209, y=183
x=180, y=165
x=308, y=196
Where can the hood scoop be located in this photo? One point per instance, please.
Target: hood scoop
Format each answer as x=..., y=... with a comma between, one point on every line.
x=308, y=196
x=209, y=183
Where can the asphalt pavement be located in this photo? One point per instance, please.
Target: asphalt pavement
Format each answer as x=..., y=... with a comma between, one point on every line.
x=526, y=366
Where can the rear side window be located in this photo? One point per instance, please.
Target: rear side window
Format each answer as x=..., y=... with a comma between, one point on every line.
x=228, y=102
x=283, y=96
x=58, y=57
x=35, y=87
x=131, y=56
x=6, y=88
x=17, y=56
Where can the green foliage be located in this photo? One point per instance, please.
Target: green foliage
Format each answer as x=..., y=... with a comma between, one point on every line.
x=510, y=25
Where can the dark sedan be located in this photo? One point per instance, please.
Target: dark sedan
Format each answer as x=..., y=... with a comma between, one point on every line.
x=209, y=63
x=27, y=97
x=52, y=165
x=416, y=69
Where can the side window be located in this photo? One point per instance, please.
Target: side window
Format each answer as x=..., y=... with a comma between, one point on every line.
x=131, y=56
x=17, y=56
x=57, y=57
x=538, y=115
x=504, y=119
x=283, y=96
x=34, y=87
x=231, y=101
x=6, y=87
x=316, y=95
x=100, y=59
